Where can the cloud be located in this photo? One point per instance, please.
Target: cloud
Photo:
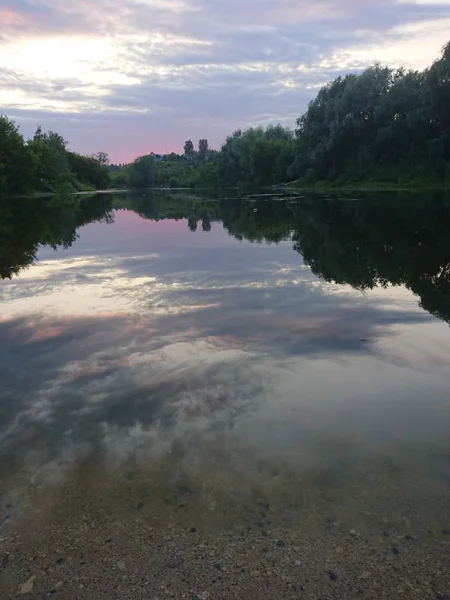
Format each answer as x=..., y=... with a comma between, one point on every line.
x=179, y=66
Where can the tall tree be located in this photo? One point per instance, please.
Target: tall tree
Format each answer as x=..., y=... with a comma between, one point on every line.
x=203, y=148
x=189, y=149
x=17, y=163
x=381, y=124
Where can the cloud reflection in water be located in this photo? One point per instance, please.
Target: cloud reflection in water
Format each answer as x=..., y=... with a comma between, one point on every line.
x=223, y=342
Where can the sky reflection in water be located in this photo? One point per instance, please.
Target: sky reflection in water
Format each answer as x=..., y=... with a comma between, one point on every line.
x=144, y=339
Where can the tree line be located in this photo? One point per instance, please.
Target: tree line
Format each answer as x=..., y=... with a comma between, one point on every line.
x=256, y=157
x=44, y=164
x=382, y=125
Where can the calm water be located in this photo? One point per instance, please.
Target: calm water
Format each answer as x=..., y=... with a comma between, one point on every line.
x=292, y=350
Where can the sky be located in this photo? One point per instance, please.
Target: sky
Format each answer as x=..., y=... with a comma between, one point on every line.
x=136, y=76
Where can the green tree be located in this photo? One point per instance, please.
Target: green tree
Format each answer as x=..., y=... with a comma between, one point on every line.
x=203, y=148
x=438, y=79
x=383, y=124
x=256, y=156
x=17, y=163
x=189, y=149
x=142, y=172
x=91, y=171
x=53, y=169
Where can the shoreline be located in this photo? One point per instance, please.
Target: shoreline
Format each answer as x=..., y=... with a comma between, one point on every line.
x=123, y=538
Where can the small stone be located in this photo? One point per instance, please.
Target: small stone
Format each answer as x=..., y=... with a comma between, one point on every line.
x=121, y=565
x=59, y=585
x=280, y=543
x=332, y=575
x=193, y=530
x=297, y=563
x=204, y=596
x=27, y=587
x=255, y=573
x=365, y=575
x=395, y=551
x=140, y=506
x=60, y=561
x=353, y=533
x=386, y=533
x=260, y=523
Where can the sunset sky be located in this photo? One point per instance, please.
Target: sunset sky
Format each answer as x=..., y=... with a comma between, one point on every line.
x=136, y=76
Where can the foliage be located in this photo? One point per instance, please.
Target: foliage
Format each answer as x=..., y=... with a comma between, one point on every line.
x=203, y=148
x=52, y=162
x=17, y=162
x=44, y=164
x=383, y=124
x=142, y=172
x=256, y=156
x=90, y=171
x=189, y=149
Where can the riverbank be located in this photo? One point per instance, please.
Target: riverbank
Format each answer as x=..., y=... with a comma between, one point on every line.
x=148, y=530
x=367, y=186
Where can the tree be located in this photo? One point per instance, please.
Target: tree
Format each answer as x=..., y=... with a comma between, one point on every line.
x=89, y=171
x=53, y=169
x=382, y=124
x=438, y=78
x=257, y=156
x=189, y=149
x=17, y=163
x=203, y=150
x=102, y=158
x=142, y=172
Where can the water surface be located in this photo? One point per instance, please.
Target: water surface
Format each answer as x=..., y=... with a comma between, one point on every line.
x=223, y=355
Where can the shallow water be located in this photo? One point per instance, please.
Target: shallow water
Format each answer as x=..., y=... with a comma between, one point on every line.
x=163, y=355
